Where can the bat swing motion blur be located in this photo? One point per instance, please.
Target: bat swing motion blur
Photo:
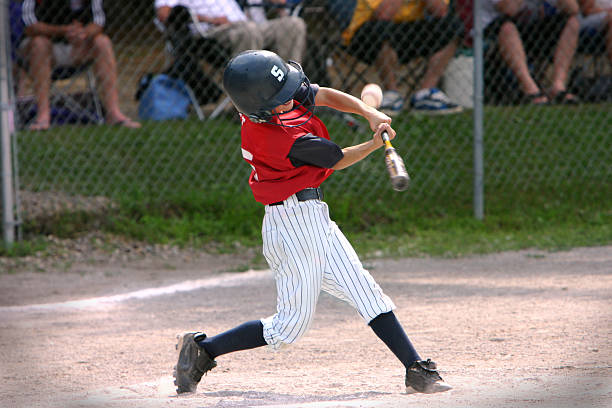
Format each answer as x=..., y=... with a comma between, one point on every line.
x=371, y=95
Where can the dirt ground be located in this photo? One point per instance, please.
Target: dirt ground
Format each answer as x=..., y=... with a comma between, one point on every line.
x=519, y=329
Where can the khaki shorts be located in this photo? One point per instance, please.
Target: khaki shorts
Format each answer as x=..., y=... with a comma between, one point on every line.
x=61, y=53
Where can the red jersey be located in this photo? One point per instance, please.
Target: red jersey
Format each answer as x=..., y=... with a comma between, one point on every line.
x=266, y=148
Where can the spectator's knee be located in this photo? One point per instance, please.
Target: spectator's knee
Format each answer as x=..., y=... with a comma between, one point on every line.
x=573, y=23
x=507, y=29
x=440, y=10
x=102, y=42
x=40, y=44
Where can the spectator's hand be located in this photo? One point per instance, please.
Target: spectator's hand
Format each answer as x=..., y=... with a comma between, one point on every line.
x=75, y=33
x=387, y=9
x=219, y=20
x=280, y=9
x=436, y=8
x=569, y=7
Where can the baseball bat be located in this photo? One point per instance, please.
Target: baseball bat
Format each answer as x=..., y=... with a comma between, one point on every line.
x=372, y=95
x=400, y=180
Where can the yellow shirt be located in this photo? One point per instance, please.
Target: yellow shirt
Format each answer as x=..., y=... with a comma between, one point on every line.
x=410, y=10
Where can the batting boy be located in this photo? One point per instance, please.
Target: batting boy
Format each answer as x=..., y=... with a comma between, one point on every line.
x=291, y=154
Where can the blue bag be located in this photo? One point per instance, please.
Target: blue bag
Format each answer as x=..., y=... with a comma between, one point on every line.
x=164, y=98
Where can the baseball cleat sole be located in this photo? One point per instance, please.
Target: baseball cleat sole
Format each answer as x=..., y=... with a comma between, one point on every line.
x=431, y=389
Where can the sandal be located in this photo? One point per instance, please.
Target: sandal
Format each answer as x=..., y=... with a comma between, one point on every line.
x=532, y=99
x=39, y=125
x=565, y=98
x=127, y=122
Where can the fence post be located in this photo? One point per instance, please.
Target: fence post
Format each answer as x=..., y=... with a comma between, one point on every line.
x=8, y=216
x=478, y=114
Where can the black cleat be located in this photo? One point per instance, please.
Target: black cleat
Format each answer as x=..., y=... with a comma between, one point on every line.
x=193, y=362
x=422, y=376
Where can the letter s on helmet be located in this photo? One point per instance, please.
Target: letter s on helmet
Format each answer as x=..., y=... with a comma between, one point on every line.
x=258, y=81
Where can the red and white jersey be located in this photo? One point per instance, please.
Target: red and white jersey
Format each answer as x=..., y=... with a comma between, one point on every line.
x=266, y=148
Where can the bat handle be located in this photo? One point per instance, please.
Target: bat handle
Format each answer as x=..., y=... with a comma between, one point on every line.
x=385, y=138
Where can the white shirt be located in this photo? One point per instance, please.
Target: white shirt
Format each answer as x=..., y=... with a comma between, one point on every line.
x=209, y=8
x=490, y=12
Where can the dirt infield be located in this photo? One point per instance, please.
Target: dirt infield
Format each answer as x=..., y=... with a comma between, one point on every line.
x=520, y=329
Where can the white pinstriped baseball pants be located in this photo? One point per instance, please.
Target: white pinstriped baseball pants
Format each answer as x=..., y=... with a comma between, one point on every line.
x=308, y=253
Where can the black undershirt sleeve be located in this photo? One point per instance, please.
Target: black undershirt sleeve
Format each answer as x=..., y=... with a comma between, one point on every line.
x=315, y=151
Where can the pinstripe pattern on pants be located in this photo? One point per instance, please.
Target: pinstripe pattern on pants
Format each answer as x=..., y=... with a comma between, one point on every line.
x=308, y=253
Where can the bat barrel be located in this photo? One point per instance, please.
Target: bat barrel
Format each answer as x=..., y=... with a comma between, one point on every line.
x=400, y=180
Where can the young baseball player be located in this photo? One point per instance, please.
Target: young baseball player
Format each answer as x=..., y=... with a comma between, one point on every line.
x=291, y=154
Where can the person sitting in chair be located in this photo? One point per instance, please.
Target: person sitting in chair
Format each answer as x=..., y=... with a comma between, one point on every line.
x=387, y=32
x=226, y=22
x=536, y=29
x=63, y=33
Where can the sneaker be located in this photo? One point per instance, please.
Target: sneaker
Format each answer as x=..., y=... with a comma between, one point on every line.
x=193, y=362
x=422, y=376
x=392, y=103
x=434, y=102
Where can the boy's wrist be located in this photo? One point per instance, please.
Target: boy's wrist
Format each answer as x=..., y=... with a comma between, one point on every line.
x=375, y=144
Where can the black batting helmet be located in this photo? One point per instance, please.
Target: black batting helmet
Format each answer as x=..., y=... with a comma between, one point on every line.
x=257, y=81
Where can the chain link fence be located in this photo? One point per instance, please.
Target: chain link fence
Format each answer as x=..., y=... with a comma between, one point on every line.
x=547, y=117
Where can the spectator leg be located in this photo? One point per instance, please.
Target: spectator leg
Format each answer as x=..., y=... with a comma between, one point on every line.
x=286, y=36
x=513, y=53
x=437, y=64
x=387, y=62
x=40, y=60
x=20, y=76
x=105, y=69
x=239, y=37
x=564, y=54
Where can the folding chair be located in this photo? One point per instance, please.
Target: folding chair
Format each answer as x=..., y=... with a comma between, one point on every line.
x=209, y=53
x=68, y=101
x=326, y=20
x=65, y=91
x=591, y=76
x=169, y=52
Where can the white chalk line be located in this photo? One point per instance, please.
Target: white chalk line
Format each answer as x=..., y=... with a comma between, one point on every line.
x=225, y=280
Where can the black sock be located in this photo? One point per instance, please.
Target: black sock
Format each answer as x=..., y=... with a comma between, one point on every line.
x=246, y=336
x=390, y=331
